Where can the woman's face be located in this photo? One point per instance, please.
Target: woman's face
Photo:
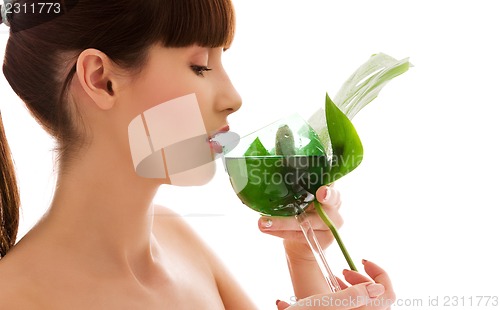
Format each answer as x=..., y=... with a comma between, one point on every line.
x=195, y=73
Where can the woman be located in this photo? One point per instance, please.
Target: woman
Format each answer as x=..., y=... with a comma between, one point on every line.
x=86, y=70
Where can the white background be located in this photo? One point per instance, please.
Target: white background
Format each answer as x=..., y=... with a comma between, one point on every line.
x=423, y=204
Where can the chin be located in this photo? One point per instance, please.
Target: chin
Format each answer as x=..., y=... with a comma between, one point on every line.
x=198, y=176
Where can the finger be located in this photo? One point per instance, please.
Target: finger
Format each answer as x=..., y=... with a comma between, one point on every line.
x=377, y=274
x=325, y=238
x=327, y=195
x=350, y=298
x=380, y=276
x=267, y=223
x=341, y=283
x=282, y=305
x=332, y=213
x=354, y=277
x=289, y=224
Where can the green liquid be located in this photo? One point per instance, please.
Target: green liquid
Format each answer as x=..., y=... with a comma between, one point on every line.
x=277, y=185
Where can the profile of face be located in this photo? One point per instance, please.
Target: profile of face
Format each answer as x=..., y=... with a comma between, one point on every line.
x=180, y=100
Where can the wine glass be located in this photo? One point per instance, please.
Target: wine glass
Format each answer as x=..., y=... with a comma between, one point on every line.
x=277, y=170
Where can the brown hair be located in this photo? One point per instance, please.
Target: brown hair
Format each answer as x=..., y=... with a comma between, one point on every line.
x=43, y=47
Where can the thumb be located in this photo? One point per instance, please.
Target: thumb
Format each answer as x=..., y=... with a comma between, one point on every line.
x=282, y=305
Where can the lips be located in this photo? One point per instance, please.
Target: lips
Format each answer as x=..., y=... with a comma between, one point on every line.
x=215, y=145
x=221, y=130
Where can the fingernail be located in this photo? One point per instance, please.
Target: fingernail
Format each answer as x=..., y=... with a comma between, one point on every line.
x=266, y=223
x=375, y=290
x=277, y=301
x=328, y=193
x=363, y=261
x=344, y=271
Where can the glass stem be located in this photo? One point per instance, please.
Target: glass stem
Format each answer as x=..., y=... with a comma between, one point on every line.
x=317, y=251
x=335, y=233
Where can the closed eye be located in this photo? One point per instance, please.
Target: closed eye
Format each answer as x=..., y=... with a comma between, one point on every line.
x=199, y=69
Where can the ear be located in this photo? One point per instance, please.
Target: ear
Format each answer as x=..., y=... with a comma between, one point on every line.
x=94, y=72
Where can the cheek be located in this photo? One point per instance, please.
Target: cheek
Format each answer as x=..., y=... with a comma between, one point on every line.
x=205, y=103
x=156, y=97
x=154, y=92
x=169, y=141
x=159, y=86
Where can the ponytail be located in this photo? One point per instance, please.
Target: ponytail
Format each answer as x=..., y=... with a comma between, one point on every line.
x=9, y=197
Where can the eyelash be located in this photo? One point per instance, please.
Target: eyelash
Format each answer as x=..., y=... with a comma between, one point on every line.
x=198, y=70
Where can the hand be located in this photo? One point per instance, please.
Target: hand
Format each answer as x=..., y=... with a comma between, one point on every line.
x=364, y=294
x=288, y=229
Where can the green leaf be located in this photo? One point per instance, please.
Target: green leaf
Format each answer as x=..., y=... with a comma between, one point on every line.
x=347, y=150
x=314, y=147
x=256, y=149
x=359, y=89
x=367, y=81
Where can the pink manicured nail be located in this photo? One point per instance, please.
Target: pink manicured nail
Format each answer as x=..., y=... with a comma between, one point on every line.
x=328, y=193
x=375, y=290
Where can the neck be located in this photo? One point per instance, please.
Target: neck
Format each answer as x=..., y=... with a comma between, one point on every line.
x=102, y=207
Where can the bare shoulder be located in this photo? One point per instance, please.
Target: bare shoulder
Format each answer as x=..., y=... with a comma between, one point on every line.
x=8, y=283
x=170, y=227
x=15, y=291
x=171, y=224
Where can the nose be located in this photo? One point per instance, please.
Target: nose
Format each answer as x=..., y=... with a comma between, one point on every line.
x=228, y=99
